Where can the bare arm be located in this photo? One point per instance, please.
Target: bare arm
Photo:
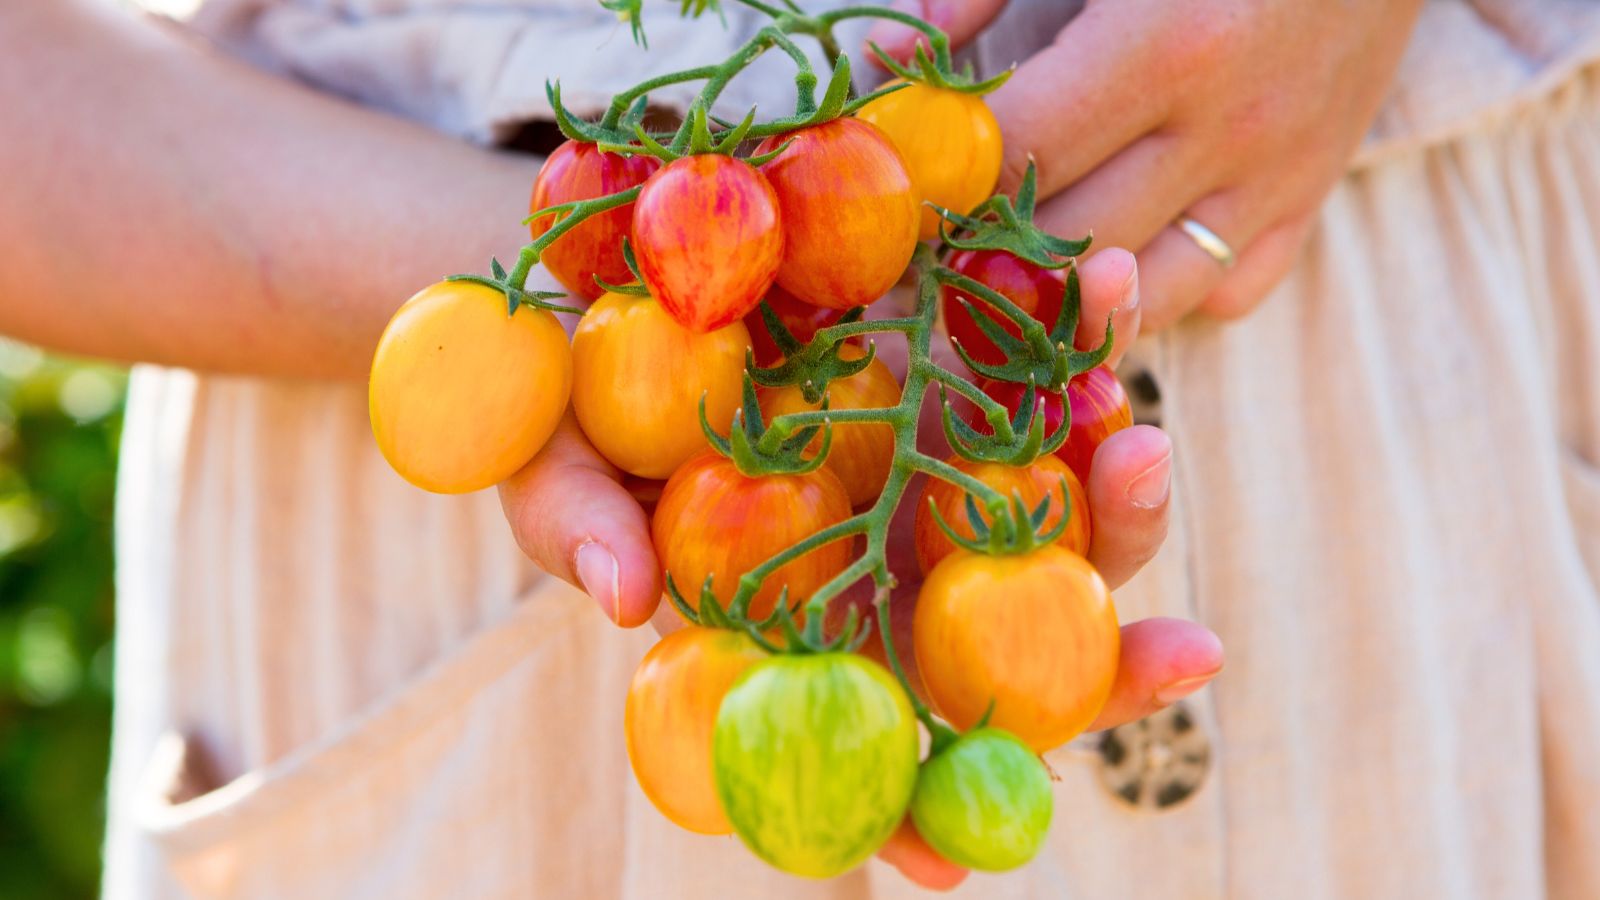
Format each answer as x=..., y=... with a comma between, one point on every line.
x=161, y=202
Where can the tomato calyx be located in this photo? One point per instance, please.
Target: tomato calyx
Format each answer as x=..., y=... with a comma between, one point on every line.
x=517, y=296
x=1000, y=223
x=619, y=130
x=1013, y=532
x=1014, y=441
x=936, y=70
x=757, y=449
x=814, y=365
x=1044, y=357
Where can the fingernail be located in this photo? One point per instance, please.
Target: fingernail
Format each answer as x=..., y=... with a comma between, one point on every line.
x=1129, y=294
x=600, y=577
x=1178, y=690
x=1151, y=488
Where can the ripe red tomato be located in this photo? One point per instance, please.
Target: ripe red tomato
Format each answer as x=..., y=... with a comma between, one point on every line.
x=802, y=319
x=714, y=520
x=671, y=710
x=1037, y=291
x=984, y=802
x=862, y=452
x=1035, y=635
x=950, y=141
x=815, y=760
x=463, y=395
x=1034, y=482
x=850, y=215
x=1099, y=409
x=708, y=239
x=638, y=378
x=581, y=171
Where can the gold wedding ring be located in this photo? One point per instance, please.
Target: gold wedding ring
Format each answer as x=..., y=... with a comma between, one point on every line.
x=1214, y=246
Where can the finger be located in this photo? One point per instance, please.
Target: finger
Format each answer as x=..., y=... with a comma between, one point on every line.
x=961, y=19
x=1130, y=483
x=1110, y=286
x=1177, y=273
x=921, y=864
x=1163, y=660
x=1077, y=102
x=1136, y=193
x=572, y=516
x=1267, y=261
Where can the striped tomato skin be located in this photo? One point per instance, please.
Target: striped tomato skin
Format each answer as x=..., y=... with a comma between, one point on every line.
x=708, y=239
x=815, y=759
x=713, y=520
x=1099, y=409
x=850, y=212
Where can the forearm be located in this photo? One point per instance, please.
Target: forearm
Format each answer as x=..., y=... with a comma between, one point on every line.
x=164, y=203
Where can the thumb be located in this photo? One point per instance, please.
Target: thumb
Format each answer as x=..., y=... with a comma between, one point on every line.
x=571, y=514
x=961, y=19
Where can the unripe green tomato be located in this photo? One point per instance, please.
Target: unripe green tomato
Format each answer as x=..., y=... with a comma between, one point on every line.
x=984, y=802
x=815, y=760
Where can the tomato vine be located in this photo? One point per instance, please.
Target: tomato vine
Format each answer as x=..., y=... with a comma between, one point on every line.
x=1041, y=356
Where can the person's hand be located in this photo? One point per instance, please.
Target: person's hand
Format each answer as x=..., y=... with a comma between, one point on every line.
x=1240, y=114
x=576, y=516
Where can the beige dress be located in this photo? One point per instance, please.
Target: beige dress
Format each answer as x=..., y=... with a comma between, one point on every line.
x=331, y=685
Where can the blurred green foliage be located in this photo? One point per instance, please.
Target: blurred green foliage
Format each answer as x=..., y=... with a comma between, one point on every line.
x=59, y=425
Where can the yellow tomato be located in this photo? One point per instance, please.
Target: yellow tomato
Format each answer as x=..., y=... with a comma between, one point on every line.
x=639, y=379
x=950, y=141
x=462, y=395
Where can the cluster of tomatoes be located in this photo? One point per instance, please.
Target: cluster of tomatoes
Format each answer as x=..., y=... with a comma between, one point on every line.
x=811, y=757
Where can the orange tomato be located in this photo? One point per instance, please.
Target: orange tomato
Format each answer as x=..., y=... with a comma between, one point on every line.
x=850, y=213
x=862, y=452
x=1035, y=634
x=639, y=377
x=461, y=394
x=581, y=171
x=1035, y=482
x=714, y=520
x=670, y=713
x=950, y=142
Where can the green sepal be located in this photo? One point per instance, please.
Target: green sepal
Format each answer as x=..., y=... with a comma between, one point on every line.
x=928, y=71
x=754, y=451
x=812, y=366
x=1001, y=224
x=1014, y=442
x=1043, y=357
x=516, y=297
x=637, y=287
x=1014, y=531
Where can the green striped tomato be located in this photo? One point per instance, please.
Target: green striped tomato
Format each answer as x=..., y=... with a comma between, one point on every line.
x=984, y=802
x=815, y=760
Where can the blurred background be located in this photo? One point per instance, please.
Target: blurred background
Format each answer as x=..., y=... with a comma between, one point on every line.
x=59, y=424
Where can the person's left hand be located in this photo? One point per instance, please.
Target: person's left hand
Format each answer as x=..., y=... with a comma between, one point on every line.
x=1240, y=114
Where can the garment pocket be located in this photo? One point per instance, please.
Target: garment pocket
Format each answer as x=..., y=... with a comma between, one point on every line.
x=1581, y=484
x=445, y=787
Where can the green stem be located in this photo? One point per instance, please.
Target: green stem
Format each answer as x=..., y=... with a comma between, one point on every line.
x=565, y=223
x=967, y=389
x=938, y=41
x=835, y=333
x=750, y=582
x=623, y=101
